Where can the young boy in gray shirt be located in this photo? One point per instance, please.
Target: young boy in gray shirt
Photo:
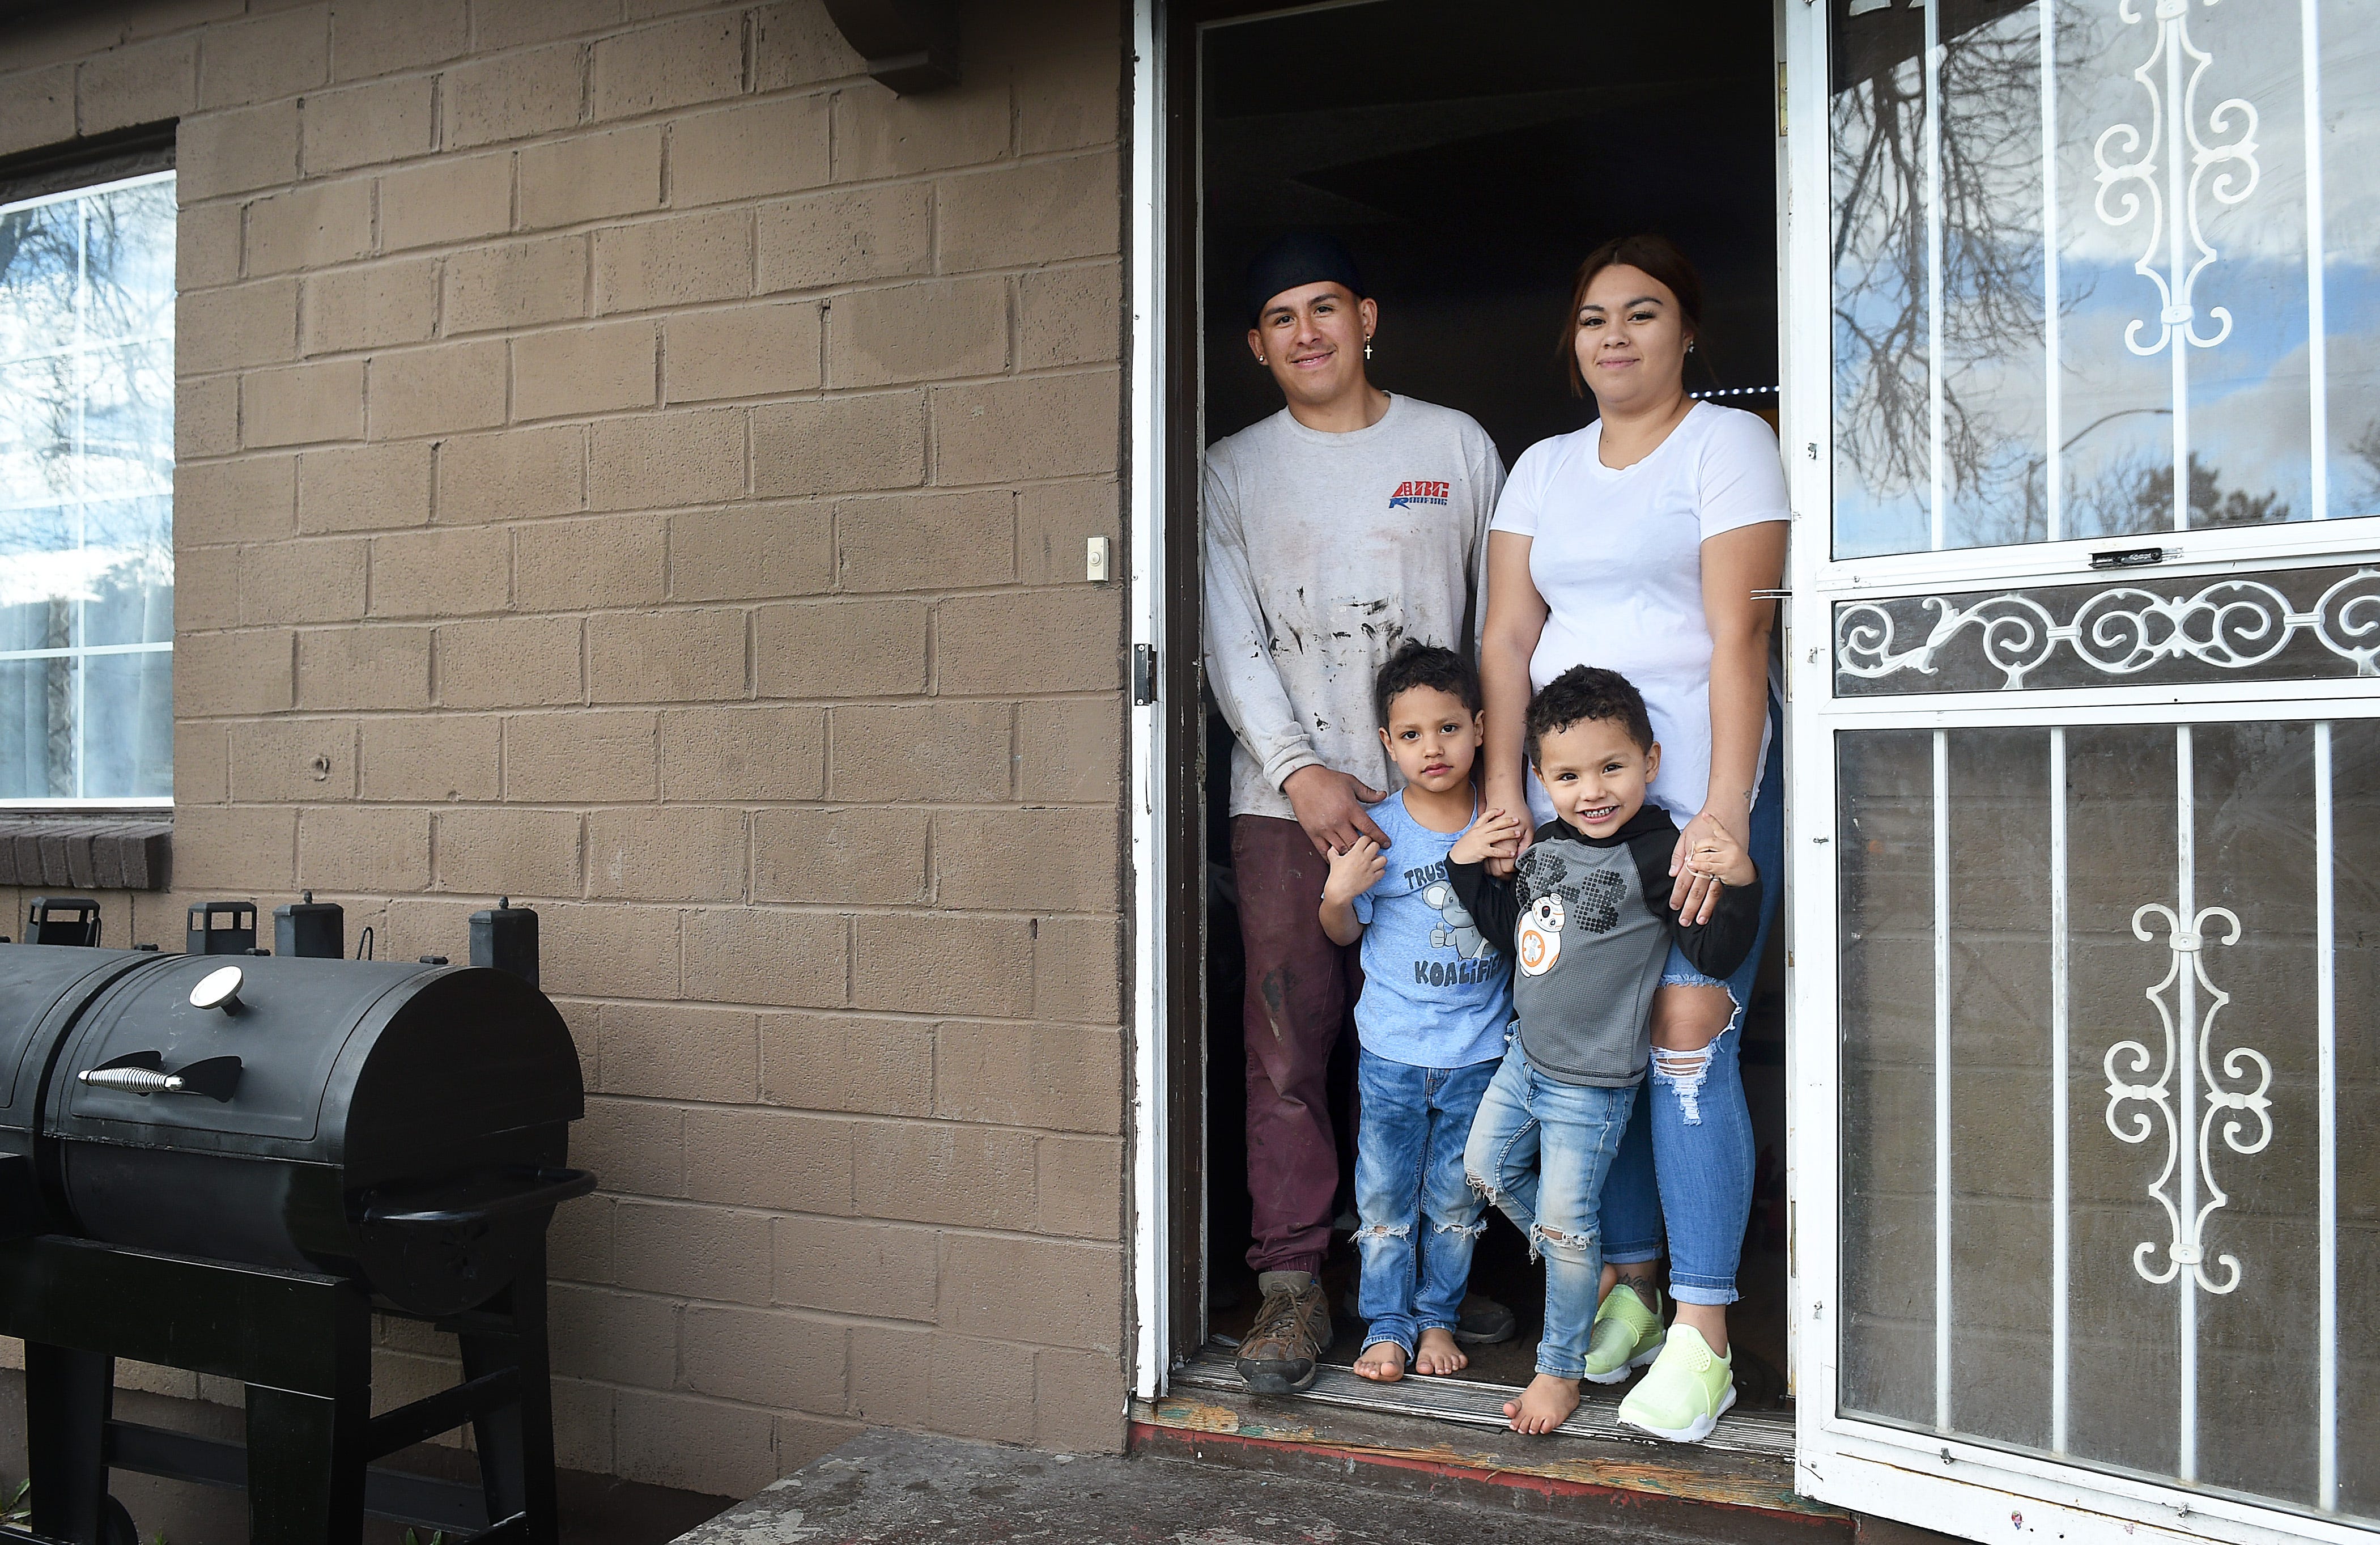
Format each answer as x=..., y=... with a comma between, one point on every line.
x=1587, y=918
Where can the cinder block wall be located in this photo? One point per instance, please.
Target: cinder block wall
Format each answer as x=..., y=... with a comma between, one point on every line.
x=631, y=461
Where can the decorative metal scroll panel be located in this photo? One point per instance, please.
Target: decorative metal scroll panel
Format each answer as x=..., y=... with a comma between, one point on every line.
x=2128, y=1060
x=2129, y=178
x=2308, y=623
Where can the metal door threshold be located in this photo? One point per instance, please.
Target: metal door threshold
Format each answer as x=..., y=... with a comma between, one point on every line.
x=1476, y=1402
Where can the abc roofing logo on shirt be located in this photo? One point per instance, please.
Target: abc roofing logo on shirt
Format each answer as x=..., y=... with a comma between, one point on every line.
x=1417, y=493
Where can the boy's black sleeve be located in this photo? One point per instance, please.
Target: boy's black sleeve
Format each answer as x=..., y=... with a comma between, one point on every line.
x=1493, y=903
x=1714, y=948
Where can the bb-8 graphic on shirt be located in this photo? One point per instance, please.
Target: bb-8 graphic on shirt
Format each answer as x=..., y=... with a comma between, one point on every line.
x=1539, y=945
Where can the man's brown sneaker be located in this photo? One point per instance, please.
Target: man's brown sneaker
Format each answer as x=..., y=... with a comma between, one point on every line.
x=1291, y=1332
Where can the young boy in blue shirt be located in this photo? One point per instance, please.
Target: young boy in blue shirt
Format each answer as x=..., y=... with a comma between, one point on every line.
x=1431, y=1021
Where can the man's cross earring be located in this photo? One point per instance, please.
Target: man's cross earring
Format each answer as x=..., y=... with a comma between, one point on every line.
x=1367, y=349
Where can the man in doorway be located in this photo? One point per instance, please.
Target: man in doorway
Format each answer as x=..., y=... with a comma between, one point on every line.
x=1337, y=529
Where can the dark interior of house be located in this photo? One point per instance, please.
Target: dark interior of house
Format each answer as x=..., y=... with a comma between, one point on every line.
x=1469, y=158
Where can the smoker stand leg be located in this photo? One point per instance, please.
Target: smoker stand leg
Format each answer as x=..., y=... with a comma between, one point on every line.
x=516, y=1441
x=306, y=1467
x=68, y=1396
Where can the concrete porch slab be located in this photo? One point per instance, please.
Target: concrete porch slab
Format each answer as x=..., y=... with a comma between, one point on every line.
x=886, y=1486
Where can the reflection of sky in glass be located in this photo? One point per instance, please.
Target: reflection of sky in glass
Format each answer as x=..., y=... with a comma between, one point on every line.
x=86, y=491
x=2250, y=428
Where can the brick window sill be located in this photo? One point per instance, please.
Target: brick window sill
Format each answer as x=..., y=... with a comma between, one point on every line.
x=103, y=850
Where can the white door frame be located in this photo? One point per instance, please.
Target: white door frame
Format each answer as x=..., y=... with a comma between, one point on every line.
x=1145, y=483
x=1940, y=1482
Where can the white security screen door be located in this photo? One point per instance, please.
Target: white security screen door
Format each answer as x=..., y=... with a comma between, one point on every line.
x=2084, y=656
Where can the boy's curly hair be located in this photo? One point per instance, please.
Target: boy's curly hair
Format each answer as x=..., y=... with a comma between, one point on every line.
x=1419, y=664
x=1585, y=692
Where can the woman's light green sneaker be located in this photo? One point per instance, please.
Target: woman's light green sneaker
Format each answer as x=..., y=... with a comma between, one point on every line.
x=1627, y=1335
x=1690, y=1388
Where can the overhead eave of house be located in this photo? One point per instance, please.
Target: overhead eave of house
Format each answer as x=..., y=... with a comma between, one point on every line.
x=910, y=46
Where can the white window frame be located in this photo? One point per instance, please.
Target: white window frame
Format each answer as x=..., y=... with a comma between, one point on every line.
x=82, y=652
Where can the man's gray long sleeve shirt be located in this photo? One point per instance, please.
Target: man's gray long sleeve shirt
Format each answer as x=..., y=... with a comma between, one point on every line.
x=1324, y=552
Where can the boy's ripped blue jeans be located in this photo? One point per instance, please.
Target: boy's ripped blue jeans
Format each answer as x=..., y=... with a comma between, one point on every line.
x=1419, y=1219
x=1539, y=1150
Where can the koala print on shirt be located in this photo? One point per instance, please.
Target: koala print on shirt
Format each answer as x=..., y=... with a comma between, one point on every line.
x=1457, y=932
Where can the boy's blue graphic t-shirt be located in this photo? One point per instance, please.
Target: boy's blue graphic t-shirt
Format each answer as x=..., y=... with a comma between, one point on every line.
x=1435, y=993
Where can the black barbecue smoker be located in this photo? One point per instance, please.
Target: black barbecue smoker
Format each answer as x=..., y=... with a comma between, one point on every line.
x=228, y=1163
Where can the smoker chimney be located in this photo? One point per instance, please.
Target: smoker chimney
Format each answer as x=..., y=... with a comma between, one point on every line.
x=221, y=928
x=310, y=927
x=63, y=920
x=505, y=938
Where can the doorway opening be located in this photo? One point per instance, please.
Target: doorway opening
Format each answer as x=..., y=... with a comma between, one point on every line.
x=1469, y=158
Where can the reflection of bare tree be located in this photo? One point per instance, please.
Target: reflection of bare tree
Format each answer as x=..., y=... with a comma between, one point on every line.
x=1992, y=261
x=86, y=469
x=2135, y=494
x=80, y=275
x=2365, y=448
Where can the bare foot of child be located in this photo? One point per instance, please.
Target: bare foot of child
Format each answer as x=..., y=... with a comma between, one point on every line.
x=1438, y=1353
x=1382, y=1362
x=1544, y=1405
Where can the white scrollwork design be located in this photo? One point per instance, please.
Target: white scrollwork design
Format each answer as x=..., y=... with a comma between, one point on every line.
x=2186, y=1239
x=2017, y=631
x=2222, y=164
x=2347, y=620
x=2229, y=624
x=2233, y=624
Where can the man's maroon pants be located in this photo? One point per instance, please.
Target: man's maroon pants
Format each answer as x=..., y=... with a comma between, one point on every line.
x=1300, y=989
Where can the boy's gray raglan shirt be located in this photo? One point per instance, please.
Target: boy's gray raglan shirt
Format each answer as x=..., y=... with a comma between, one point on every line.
x=1589, y=924
x=1324, y=552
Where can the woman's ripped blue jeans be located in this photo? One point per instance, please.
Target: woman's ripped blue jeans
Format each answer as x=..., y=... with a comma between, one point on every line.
x=1420, y=1218
x=1540, y=1150
x=1693, y=1129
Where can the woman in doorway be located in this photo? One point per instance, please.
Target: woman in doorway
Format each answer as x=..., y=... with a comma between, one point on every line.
x=1640, y=543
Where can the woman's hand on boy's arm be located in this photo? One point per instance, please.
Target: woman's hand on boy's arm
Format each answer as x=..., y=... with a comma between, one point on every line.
x=1496, y=834
x=1353, y=869
x=1716, y=853
x=1503, y=794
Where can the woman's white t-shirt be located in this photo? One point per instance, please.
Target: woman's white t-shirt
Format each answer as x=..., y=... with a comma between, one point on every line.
x=1617, y=556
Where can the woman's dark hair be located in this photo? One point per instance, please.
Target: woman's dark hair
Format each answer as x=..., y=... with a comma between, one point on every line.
x=1419, y=664
x=1585, y=692
x=1657, y=256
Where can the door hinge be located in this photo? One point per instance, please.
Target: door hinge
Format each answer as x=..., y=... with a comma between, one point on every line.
x=1144, y=675
x=1780, y=99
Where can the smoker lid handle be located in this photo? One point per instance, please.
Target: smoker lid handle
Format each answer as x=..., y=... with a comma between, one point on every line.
x=216, y=1078
x=545, y=1188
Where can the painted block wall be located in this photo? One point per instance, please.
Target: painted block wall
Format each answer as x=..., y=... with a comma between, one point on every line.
x=630, y=461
